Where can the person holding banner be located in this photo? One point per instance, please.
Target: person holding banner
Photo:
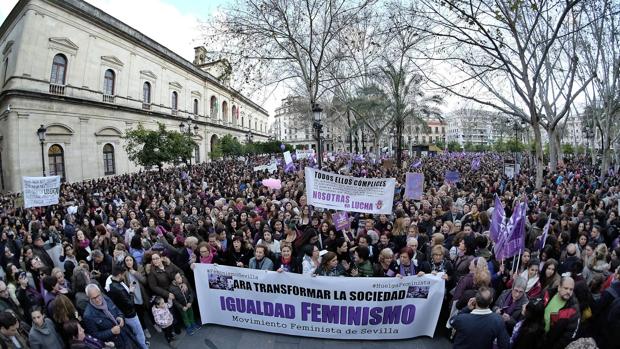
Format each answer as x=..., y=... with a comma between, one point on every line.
x=286, y=262
x=260, y=260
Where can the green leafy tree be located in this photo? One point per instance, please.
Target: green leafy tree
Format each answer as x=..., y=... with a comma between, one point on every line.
x=454, y=146
x=231, y=146
x=568, y=148
x=157, y=147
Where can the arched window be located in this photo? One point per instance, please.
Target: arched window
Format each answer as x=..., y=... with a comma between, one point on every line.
x=5, y=70
x=108, y=82
x=146, y=93
x=174, y=103
x=56, y=159
x=195, y=107
x=108, y=160
x=213, y=106
x=59, y=70
x=225, y=111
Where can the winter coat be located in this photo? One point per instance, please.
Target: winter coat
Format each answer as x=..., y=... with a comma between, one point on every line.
x=161, y=279
x=564, y=323
x=45, y=337
x=515, y=314
x=181, y=298
x=98, y=325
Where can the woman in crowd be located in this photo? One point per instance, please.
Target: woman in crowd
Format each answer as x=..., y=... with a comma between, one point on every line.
x=310, y=260
x=287, y=262
x=330, y=266
x=549, y=277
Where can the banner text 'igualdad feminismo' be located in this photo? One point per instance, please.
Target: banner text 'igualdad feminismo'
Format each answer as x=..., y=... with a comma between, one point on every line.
x=326, y=307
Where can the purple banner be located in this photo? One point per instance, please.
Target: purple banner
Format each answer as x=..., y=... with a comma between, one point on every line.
x=414, y=186
x=341, y=220
x=452, y=176
x=512, y=235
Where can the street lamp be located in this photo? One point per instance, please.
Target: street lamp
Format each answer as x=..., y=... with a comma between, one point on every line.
x=187, y=129
x=41, y=132
x=516, y=128
x=249, y=137
x=316, y=113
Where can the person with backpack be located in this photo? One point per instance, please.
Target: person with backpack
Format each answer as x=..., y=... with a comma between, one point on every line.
x=607, y=315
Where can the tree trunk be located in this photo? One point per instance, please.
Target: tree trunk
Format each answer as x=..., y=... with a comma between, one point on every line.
x=558, y=140
x=539, y=159
x=399, y=146
x=553, y=149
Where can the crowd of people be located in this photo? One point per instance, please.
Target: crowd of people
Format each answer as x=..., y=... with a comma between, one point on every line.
x=114, y=259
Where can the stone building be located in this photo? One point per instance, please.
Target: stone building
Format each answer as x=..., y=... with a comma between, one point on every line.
x=87, y=78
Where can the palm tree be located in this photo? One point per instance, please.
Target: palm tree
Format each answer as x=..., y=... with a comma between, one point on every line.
x=407, y=100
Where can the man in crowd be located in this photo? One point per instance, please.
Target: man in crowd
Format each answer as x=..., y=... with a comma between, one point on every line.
x=477, y=326
x=562, y=314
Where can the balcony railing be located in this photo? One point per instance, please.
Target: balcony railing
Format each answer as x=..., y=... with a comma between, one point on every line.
x=57, y=89
x=108, y=98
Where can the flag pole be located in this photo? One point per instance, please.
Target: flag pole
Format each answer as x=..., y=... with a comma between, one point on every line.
x=518, y=262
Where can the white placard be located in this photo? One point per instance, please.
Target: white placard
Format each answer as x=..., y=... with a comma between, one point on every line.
x=509, y=170
x=287, y=157
x=304, y=154
x=40, y=191
x=345, y=193
x=271, y=168
x=322, y=306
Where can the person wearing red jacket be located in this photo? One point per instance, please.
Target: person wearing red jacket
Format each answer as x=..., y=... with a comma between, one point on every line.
x=562, y=315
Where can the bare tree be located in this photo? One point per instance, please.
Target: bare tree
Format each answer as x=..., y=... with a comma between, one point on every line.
x=506, y=52
x=600, y=45
x=275, y=41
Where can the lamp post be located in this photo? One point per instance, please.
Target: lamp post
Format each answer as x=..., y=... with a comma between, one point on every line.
x=516, y=128
x=187, y=130
x=316, y=113
x=41, y=132
x=249, y=137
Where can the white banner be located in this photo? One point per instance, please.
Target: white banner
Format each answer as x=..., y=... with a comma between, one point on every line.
x=40, y=191
x=271, y=168
x=287, y=157
x=323, y=307
x=304, y=154
x=345, y=193
x=509, y=171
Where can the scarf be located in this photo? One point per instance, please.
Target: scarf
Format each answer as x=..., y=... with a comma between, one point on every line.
x=207, y=260
x=410, y=269
x=84, y=243
x=104, y=308
x=531, y=282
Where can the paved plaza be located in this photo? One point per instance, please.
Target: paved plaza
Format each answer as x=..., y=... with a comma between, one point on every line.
x=221, y=337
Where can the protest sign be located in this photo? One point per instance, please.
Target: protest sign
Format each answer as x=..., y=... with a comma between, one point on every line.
x=333, y=191
x=271, y=168
x=341, y=220
x=304, y=154
x=452, y=176
x=287, y=157
x=509, y=170
x=388, y=164
x=322, y=306
x=40, y=191
x=414, y=186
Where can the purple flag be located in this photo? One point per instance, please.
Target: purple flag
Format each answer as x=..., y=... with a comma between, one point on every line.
x=417, y=164
x=475, y=164
x=541, y=240
x=512, y=235
x=497, y=219
x=289, y=168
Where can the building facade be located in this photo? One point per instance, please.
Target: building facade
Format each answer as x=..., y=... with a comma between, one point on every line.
x=88, y=78
x=293, y=126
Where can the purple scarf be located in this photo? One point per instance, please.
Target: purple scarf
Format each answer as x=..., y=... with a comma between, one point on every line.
x=411, y=269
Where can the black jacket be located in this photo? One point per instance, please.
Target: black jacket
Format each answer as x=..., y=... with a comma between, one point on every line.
x=123, y=299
